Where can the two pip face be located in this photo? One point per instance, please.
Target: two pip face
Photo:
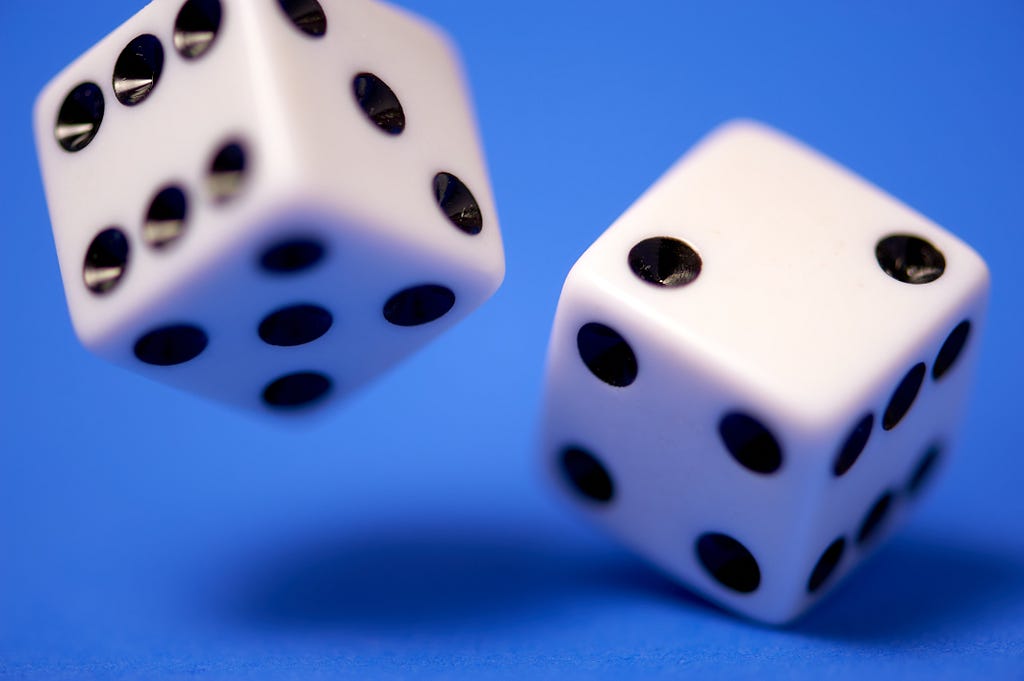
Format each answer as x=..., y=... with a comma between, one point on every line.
x=272, y=202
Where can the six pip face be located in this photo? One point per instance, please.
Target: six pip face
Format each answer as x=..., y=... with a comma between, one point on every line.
x=228, y=225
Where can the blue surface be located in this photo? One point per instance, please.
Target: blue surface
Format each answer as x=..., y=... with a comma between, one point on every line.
x=148, y=534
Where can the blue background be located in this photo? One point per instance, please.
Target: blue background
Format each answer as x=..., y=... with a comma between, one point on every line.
x=148, y=534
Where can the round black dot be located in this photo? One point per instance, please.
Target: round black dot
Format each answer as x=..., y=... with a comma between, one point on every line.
x=951, y=349
x=924, y=469
x=826, y=565
x=295, y=325
x=379, y=102
x=873, y=520
x=458, y=203
x=910, y=259
x=138, y=69
x=196, y=27
x=903, y=398
x=665, y=261
x=171, y=345
x=729, y=562
x=419, y=305
x=587, y=475
x=227, y=172
x=80, y=117
x=166, y=218
x=607, y=354
x=294, y=255
x=307, y=15
x=750, y=442
x=296, y=390
x=106, y=261
x=854, y=445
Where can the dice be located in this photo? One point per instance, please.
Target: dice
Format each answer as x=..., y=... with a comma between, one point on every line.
x=757, y=368
x=268, y=202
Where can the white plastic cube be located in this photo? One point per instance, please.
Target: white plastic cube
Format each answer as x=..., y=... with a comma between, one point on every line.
x=267, y=202
x=757, y=367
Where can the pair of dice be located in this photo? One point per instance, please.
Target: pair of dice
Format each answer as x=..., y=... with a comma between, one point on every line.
x=750, y=375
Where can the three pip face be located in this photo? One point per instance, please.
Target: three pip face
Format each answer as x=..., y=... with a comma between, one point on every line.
x=751, y=373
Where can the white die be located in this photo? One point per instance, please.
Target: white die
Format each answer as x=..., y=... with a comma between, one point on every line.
x=268, y=202
x=748, y=379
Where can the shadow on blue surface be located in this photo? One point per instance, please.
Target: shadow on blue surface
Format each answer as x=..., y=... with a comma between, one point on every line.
x=916, y=588
x=455, y=578
x=438, y=578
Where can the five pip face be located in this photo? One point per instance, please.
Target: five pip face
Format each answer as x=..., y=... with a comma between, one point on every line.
x=750, y=373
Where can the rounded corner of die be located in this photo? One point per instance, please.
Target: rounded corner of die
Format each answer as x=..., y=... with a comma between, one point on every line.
x=786, y=620
x=984, y=277
x=743, y=126
x=976, y=275
x=426, y=26
x=575, y=277
x=498, y=274
x=40, y=105
x=86, y=334
x=445, y=40
x=746, y=136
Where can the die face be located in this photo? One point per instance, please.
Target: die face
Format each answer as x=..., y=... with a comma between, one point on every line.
x=664, y=478
x=380, y=119
x=170, y=139
x=272, y=312
x=670, y=479
x=871, y=498
x=167, y=219
x=791, y=296
x=718, y=468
